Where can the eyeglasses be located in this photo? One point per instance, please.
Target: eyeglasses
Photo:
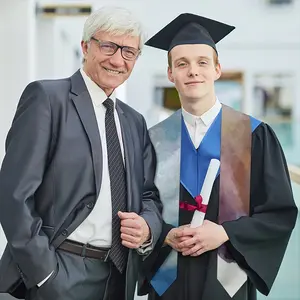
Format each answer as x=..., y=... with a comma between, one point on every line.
x=110, y=48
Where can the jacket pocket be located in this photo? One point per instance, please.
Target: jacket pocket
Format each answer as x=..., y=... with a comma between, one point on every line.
x=49, y=280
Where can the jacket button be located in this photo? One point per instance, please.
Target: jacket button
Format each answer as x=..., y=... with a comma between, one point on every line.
x=90, y=205
x=64, y=232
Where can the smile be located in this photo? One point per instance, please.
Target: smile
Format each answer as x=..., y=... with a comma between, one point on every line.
x=113, y=71
x=194, y=82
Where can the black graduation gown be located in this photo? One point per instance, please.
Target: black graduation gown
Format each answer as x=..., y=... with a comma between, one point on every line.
x=257, y=243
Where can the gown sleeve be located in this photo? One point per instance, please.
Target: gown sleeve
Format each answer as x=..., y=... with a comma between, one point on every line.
x=154, y=260
x=258, y=242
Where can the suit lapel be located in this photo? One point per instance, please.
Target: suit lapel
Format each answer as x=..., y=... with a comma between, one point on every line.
x=84, y=106
x=128, y=151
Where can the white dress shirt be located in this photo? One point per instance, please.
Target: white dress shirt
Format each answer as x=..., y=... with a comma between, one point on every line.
x=96, y=229
x=198, y=125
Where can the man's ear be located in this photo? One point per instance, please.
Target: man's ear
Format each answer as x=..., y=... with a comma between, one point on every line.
x=170, y=75
x=84, y=48
x=218, y=71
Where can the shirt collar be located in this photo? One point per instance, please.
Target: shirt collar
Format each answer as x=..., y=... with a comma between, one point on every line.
x=98, y=96
x=207, y=118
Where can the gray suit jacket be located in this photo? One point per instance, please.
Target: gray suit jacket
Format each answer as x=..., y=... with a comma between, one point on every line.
x=51, y=177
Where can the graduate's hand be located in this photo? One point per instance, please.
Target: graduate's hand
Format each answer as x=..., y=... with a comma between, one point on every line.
x=134, y=230
x=204, y=238
x=174, y=238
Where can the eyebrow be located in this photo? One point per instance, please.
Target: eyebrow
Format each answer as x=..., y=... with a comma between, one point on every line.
x=185, y=59
x=108, y=41
x=204, y=57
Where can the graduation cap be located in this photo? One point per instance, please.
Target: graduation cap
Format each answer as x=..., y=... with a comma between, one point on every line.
x=190, y=29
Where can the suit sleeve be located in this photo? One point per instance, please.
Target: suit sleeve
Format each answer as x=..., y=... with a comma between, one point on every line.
x=151, y=204
x=258, y=243
x=21, y=174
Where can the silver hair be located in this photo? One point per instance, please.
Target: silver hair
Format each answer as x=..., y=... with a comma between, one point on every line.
x=113, y=20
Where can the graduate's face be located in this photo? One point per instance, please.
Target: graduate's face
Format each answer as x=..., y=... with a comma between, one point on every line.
x=109, y=71
x=193, y=70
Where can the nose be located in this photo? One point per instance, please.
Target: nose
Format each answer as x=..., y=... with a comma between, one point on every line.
x=117, y=60
x=193, y=70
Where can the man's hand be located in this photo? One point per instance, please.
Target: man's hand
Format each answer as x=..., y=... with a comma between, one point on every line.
x=204, y=238
x=174, y=238
x=134, y=230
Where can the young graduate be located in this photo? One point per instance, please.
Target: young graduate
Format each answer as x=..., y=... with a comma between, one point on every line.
x=251, y=212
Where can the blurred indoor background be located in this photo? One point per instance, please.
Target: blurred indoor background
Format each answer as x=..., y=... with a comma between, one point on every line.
x=260, y=62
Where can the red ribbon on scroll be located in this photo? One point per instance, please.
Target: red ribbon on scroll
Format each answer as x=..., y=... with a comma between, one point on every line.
x=199, y=205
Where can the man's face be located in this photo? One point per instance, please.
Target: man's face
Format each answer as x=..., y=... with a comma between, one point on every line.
x=107, y=71
x=194, y=71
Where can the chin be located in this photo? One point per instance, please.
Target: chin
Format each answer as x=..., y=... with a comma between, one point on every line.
x=195, y=96
x=195, y=93
x=113, y=82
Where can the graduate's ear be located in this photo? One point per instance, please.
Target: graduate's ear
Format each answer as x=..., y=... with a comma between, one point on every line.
x=218, y=71
x=170, y=75
x=217, y=65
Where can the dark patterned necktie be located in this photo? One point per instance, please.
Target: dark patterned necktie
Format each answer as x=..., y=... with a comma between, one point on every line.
x=118, y=252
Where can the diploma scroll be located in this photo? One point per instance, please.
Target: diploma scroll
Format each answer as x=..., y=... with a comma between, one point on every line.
x=209, y=180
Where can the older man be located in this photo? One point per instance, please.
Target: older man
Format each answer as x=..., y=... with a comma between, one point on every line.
x=77, y=200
